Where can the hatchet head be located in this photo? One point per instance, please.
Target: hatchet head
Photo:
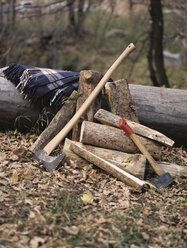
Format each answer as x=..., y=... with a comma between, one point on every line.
x=50, y=163
x=163, y=181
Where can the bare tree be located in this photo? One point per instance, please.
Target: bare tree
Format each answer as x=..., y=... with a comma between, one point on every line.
x=77, y=11
x=155, y=53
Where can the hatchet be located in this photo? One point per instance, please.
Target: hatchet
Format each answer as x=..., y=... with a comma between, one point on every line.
x=164, y=178
x=51, y=163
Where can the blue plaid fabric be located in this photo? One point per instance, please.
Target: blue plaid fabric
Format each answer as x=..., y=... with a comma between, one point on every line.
x=42, y=86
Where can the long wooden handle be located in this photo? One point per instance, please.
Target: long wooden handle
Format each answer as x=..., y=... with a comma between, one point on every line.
x=63, y=133
x=157, y=168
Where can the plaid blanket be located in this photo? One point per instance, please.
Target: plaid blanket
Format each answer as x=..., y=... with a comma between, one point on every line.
x=42, y=86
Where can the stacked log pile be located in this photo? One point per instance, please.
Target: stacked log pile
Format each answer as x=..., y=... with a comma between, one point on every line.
x=97, y=139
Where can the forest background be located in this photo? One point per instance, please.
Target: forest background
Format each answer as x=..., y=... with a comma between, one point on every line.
x=85, y=34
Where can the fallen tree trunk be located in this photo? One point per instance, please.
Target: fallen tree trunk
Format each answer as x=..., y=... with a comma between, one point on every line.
x=13, y=108
x=159, y=108
x=114, y=138
x=162, y=109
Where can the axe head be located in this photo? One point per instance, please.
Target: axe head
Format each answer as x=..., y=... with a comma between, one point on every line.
x=163, y=181
x=50, y=163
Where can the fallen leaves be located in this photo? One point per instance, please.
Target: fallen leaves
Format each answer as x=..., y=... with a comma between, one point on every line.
x=81, y=207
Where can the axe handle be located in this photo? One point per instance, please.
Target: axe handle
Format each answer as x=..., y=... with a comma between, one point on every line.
x=63, y=133
x=157, y=168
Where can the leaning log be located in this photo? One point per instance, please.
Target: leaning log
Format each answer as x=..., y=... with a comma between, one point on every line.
x=114, y=138
x=162, y=109
x=57, y=123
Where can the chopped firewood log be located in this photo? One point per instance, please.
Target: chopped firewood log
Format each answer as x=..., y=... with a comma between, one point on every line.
x=109, y=167
x=120, y=100
x=114, y=138
x=174, y=169
x=108, y=118
x=87, y=82
x=57, y=123
x=73, y=156
x=131, y=163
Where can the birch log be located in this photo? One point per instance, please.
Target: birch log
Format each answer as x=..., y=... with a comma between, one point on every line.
x=114, y=138
x=108, y=118
x=131, y=163
x=109, y=167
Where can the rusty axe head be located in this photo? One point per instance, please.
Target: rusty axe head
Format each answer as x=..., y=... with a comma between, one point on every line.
x=50, y=163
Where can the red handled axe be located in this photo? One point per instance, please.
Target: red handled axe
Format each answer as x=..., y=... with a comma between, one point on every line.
x=164, y=178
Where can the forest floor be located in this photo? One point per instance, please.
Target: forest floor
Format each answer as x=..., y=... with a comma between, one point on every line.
x=82, y=207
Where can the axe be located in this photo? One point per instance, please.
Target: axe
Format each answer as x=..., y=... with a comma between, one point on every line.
x=164, y=178
x=51, y=163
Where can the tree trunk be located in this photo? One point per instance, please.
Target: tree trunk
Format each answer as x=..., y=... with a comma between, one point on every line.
x=155, y=54
x=14, y=110
x=162, y=109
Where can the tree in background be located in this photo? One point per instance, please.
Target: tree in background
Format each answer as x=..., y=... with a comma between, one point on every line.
x=155, y=53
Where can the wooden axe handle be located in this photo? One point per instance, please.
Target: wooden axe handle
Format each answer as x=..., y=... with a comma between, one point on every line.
x=157, y=168
x=63, y=133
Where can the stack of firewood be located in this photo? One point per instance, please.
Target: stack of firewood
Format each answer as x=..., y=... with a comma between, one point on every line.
x=97, y=139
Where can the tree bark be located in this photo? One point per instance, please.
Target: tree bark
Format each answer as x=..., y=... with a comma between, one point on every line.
x=114, y=138
x=120, y=100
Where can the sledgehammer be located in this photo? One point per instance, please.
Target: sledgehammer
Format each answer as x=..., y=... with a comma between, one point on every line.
x=42, y=156
x=164, y=178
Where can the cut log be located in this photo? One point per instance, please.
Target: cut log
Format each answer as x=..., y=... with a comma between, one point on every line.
x=131, y=163
x=108, y=118
x=120, y=100
x=57, y=123
x=73, y=156
x=14, y=110
x=87, y=82
x=109, y=167
x=174, y=169
x=114, y=138
x=162, y=109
